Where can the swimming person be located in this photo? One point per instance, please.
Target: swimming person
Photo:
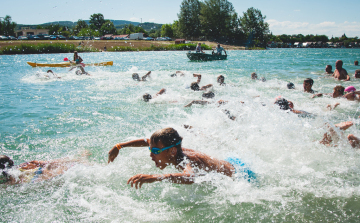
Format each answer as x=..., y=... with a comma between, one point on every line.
x=328, y=69
x=340, y=73
x=198, y=48
x=135, y=76
x=307, y=84
x=178, y=72
x=255, y=77
x=333, y=137
x=357, y=74
x=288, y=105
x=165, y=150
x=32, y=171
x=220, y=80
x=147, y=96
x=338, y=92
x=290, y=85
x=195, y=87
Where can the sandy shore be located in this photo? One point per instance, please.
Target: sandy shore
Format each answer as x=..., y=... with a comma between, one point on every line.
x=99, y=44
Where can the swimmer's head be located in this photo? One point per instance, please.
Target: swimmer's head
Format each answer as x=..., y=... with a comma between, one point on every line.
x=349, y=89
x=147, y=97
x=356, y=63
x=5, y=162
x=254, y=76
x=339, y=64
x=135, y=77
x=263, y=79
x=309, y=80
x=78, y=72
x=283, y=103
x=328, y=69
x=194, y=86
x=291, y=85
x=220, y=79
x=357, y=73
x=49, y=71
x=208, y=95
x=339, y=90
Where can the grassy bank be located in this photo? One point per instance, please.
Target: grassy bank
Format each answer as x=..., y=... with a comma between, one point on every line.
x=188, y=46
x=26, y=48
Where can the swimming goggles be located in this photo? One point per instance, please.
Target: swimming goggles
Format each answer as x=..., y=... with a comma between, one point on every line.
x=156, y=151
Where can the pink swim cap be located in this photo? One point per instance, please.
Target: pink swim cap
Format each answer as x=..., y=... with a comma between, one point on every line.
x=350, y=89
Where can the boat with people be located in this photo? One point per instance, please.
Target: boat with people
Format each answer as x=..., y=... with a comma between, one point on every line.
x=68, y=64
x=205, y=57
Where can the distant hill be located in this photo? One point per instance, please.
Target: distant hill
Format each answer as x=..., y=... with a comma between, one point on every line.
x=119, y=24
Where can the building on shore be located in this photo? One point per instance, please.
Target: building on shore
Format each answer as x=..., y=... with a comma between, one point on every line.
x=26, y=32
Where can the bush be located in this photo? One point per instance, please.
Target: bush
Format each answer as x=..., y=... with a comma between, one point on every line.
x=25, y=48
x=188, y=46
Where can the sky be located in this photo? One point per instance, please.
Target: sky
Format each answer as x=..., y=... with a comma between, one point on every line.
x=330, y=17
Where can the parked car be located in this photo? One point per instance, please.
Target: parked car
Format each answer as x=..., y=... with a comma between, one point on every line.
x=52, y=37
x=148, y=38
x=4, y=38
x=33, y=37
x=12, y=38
x=74, y=38
x=61, y=37
x=22, y=38
x=96, y=38
x=44, y=36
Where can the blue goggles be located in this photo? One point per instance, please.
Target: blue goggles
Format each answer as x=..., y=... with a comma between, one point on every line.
x=156, y=151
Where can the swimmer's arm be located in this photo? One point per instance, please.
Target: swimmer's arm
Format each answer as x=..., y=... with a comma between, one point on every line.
x=347, y=77
x=205, y=87
x=146, y=75
x=198, y=76
x=162, y=91
x=317, y=95
x=113, y=153
x=200, y=102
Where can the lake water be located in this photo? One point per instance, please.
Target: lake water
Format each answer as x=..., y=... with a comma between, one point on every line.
x=300, y=180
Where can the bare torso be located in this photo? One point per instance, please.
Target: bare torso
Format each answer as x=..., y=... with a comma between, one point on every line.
x=340, y=74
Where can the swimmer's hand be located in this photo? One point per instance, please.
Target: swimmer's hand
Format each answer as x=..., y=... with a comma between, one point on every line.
x=139, y=179
x=113, y=153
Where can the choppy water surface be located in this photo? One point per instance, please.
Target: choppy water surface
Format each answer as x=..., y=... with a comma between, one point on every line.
x=300, y=179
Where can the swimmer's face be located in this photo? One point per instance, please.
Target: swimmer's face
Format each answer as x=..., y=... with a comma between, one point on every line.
x=164, y=158
x=307, y=86
x=220, y=79
x=328, y=69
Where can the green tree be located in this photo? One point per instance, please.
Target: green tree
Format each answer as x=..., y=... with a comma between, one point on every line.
x=167, y=31
x=108, y=28
x=189, y=19
x=252, y=23
x=96, y=21
x=176, y=29
x=88, y=32
x=8, y=27
x=219, y=19
x=81, y=24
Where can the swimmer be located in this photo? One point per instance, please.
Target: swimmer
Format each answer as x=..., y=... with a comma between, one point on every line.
x=165, y=150
x=220, y=80
x=178, y=73
x=340, y=73
x=50, y=71
x=333, y=137
x=81, y=72
x=135, y=76
x=147, y=96
x=203, y=102
x=338, y=92
x=290, y=85
x=351, y=94
x=195, y=85
x=32, y=171
x=308, y=83
x=328, y=69
x=255, y=77
x=288, y=105
x=357, y=74
x=356, y=63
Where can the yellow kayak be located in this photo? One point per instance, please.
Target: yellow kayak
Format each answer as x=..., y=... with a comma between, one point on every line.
x=68, y=64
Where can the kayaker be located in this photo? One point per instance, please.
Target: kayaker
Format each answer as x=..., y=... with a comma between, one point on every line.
x=78, y=61
x=198, y=48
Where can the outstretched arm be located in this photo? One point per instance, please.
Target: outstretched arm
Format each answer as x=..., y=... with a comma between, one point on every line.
x=198, y=76
x=200, y=102
x=162, y=91
x=186, y=177
x=145, y=76
x=113, y=153
x=205, y=87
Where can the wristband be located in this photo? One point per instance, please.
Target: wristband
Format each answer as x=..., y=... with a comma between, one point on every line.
x=118, y=146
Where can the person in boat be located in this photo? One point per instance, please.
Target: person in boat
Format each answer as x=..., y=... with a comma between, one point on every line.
x=78, y=64
x=219, y=50
x=357, y=74
x=328, y=69
x=135, y=76
x=166, y=150
x=220, y=80
x=340, y=73
x=308, y=83
x=147, y=97
x=33, y=171
x=198, y=48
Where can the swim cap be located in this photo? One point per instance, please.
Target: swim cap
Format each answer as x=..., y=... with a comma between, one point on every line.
x=147, y=97
x=291, y=85
x=208, y=95
x=350, y=89
x=283, y=103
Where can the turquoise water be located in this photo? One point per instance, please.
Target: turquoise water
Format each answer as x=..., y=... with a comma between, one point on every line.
x=300, y=179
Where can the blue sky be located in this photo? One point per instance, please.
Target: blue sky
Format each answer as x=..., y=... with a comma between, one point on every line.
x=284, y=16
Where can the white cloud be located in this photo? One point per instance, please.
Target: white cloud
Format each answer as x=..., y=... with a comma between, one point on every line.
x=134, y=19
x=351, y=29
